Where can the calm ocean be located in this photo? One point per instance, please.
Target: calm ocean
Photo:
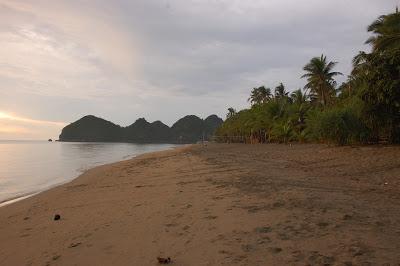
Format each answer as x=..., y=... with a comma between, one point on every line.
x=28, y=167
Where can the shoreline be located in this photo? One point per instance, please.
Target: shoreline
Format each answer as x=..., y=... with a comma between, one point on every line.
x=18, y=198
x=26, y=195
x=216, y=205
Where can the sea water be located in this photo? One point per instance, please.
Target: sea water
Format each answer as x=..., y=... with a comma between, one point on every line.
x=29, y=167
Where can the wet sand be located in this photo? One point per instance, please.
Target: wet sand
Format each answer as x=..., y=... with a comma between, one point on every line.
x=223, y=204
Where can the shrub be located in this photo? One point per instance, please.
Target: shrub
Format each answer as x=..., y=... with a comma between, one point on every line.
x=341, y=125
x=283, y=132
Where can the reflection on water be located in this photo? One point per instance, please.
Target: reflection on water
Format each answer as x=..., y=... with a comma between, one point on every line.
x=27, y=167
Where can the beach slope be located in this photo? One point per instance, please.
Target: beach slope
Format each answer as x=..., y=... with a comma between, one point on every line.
x=220, y=204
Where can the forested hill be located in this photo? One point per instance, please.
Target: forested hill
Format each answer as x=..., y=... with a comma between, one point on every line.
x=188, y=129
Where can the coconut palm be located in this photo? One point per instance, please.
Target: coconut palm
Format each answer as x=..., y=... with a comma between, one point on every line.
x=298, y=97
x=320, y=78
x=280, y=92
x=231, y=113
x=361, y=63
x=386, y=33
x=378, y=73
x=260, y=95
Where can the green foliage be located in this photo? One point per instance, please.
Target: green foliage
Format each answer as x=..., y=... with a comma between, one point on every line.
x=386, y=33
x=283, y=132
x=320, y=79
x=365, y=108
x=231, y=112
x=260, y=95
x=340, y=125
x=301, y=136
x=377, y=78
x=279, y=120
x=280, y=91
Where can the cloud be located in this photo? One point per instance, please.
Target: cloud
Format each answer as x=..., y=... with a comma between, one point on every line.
x=12, y=125
x=7, y=116
x=124, y=59
x=65, y=54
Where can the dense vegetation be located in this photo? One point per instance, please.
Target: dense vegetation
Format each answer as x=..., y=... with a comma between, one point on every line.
x=364, y=109
x=188, y=129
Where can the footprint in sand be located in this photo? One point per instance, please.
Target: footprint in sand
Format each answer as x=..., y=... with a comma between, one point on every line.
x=247, y=247
x=322, y=224
x=171, y=225
x=275, y=250
x=225, y=252
x=318, y=259
x=298, y=256
x=347, y=217
x=73, y=245
x=239, y=258
x=263, y=230
x=218, y=238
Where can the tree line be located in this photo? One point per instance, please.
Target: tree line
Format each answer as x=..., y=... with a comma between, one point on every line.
x=363, y=109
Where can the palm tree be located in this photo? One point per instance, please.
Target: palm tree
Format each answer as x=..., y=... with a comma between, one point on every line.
x=361, y=63
x=298, y=97
x=386, y=30
x=231, y=113
x=265, y=94
x=320, y=78
x=377, y=77
x=280, y=91
x=260, y=95
x=386, y=38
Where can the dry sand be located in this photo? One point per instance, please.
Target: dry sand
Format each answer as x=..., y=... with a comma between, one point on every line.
x=217, y=205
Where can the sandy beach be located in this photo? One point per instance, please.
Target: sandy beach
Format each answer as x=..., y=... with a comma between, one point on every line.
x=220, y=204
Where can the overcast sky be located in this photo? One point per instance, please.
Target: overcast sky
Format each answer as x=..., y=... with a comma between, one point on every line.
x=162, y=59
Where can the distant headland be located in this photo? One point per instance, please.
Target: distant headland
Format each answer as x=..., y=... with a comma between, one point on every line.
x=188, y=129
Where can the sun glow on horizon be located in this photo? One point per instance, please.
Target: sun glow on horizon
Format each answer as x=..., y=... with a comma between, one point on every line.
x=13, y=126
x=5, y=115
x=8, y=116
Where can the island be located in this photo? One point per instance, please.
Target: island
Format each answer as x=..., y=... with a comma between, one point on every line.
x=188, y=129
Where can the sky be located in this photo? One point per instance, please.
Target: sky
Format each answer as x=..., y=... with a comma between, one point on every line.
x=162, y=59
